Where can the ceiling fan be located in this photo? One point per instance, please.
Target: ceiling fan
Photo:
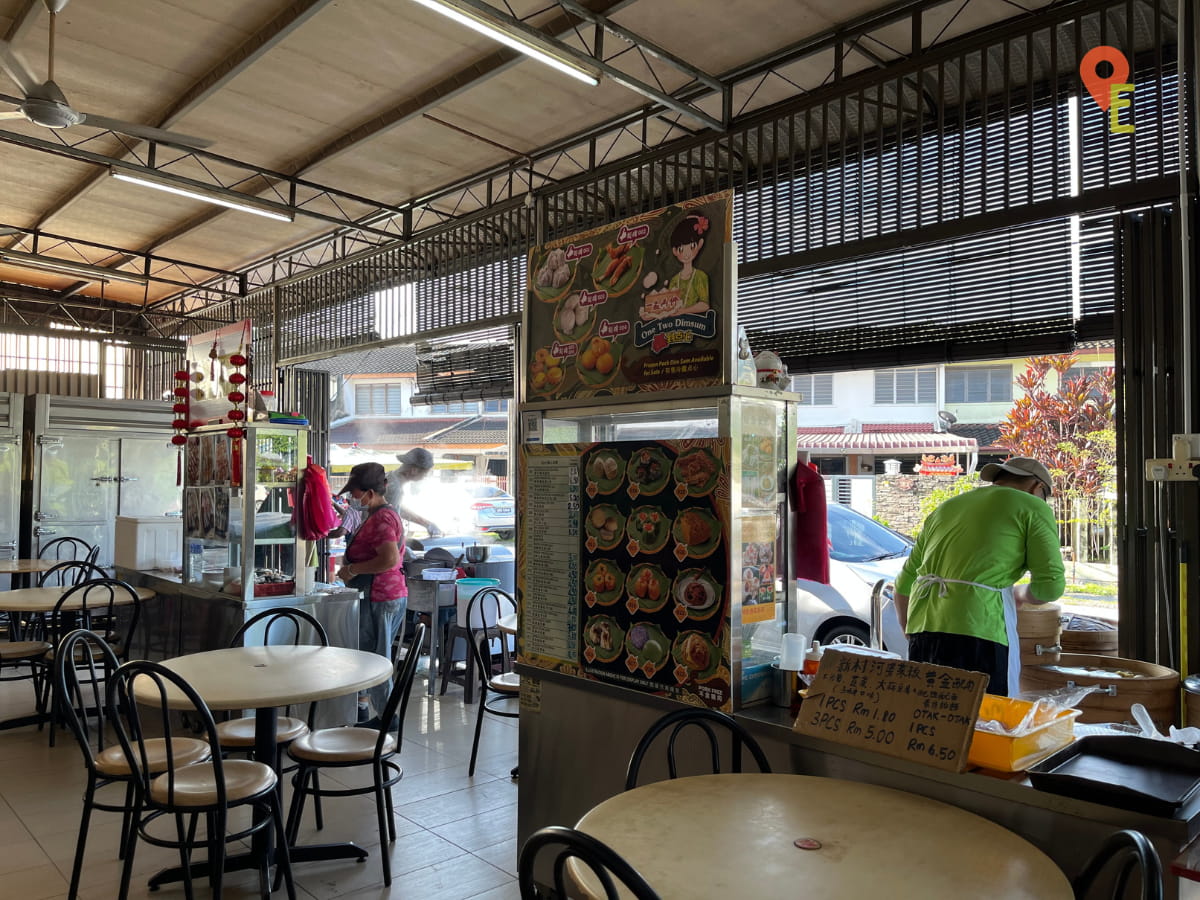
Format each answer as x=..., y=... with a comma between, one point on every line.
x=45, y=104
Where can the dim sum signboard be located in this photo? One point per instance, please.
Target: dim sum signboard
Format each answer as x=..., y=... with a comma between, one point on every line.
x=639, y=305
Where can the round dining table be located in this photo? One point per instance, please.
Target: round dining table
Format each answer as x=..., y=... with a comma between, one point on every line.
x=27, y=566
x=44, y=599
x=758, y=835
x=263, y=679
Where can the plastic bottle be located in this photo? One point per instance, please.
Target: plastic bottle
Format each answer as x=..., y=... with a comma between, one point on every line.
x=195, y=561
x=812, y=660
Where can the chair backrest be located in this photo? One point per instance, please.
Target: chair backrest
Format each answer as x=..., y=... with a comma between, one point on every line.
x=703, y=720
x=80, y=663
x=285, y=626
x=1134, y=851
x=72, y=571
x=139, y=716
x=107, y=602
x=69, y=548
x=601, y=859
x=487, y=605
x=397, y=701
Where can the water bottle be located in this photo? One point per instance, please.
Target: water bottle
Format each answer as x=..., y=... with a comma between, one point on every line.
x=195, y=561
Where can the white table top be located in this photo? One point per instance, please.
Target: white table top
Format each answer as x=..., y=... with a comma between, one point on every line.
x=722, y=836
x=257, y=677
x=42, y=599
x=26, y=566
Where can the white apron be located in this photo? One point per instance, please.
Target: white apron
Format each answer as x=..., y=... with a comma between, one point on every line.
x=1009, y=602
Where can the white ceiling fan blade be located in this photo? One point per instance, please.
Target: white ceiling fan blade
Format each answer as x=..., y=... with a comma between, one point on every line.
x=146, y=132
x=16, y=69
x=12, y=114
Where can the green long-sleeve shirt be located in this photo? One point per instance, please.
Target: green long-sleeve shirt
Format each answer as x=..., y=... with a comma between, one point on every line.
x=991, y=535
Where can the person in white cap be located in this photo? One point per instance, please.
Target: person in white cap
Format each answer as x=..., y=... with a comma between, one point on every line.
x=414, y=465
x=955, y=595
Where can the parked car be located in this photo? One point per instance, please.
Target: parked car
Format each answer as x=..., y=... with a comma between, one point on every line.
x=861, y=553
x=462, y=507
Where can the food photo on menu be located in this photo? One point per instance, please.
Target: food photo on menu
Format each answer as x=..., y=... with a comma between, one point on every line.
x=191, y=513
x=221, y=468
x=654, y=612
x=193, y=455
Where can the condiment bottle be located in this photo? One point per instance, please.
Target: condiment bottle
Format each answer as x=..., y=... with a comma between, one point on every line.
x=812, y=660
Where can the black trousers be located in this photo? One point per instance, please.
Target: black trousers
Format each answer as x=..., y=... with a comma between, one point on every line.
x=963, y=652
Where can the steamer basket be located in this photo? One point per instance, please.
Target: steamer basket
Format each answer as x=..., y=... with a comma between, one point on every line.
x=1157, y=688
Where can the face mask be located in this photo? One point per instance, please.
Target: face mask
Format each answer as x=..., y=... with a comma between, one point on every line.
x=356, y=505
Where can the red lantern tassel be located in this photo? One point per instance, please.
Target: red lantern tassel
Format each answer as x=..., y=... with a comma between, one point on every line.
x=178, y=468
x=235, y=473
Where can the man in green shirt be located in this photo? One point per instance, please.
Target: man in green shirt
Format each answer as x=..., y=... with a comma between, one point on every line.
x=955, y=596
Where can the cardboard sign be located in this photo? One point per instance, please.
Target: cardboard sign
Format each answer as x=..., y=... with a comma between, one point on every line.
x=914, y=711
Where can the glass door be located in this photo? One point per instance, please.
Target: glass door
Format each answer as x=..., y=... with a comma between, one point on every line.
x=76, y=491
x=148, y=476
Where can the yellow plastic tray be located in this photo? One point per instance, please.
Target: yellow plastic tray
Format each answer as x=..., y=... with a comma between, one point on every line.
x=1006, y=753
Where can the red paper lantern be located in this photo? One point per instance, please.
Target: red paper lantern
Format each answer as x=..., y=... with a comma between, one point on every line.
x=236, y=415
x=237, y=378
x=238, y=359
x=236, y=432
x=182, y=375
x=181, y=392
x=179, y=423
x=236, y=396
x=179, y=439
x=179, y=408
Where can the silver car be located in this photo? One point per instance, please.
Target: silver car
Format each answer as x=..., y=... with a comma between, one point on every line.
x=861, y=553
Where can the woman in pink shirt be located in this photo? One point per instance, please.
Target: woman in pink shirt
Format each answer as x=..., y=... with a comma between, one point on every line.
x=372, y=563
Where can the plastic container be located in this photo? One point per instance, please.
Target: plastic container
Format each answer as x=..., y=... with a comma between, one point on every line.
x=1015, y=753
x=435, y=574
x=812, y=660
x=149, y=542
x=467, y=588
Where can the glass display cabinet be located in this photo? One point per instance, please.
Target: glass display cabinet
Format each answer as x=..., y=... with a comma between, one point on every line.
x=239, y=538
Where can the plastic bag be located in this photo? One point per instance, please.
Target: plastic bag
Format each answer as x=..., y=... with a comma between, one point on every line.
x=1044, y=708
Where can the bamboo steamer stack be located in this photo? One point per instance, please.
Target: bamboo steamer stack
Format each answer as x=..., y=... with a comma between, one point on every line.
x=1084, y=634
x=1130, y=681
x=1039, y=626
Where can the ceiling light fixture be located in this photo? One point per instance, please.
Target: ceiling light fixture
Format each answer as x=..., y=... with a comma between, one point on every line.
x=219, y=196
x=67, y=267
x=473, y=19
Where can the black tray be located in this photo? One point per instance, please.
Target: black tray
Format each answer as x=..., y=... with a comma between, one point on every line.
x=1144, y=775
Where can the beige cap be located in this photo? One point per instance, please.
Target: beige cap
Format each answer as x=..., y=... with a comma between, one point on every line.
x=1022, y=467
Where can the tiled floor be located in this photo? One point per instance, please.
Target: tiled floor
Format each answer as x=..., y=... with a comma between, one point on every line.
x=455, y=836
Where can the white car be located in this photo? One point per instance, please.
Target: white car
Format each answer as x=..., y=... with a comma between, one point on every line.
x=861, y=553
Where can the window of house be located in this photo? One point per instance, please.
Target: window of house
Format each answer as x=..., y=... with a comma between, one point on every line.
x=1083, y=372
x=897, y=386
x=379, y=400
x=979, y=384
x=814, y=390
x=454, y=409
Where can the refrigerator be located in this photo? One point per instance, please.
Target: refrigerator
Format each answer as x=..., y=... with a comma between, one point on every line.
x=89, y=461
x=11, y=411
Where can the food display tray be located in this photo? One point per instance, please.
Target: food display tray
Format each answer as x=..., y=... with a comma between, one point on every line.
x=1144, y=775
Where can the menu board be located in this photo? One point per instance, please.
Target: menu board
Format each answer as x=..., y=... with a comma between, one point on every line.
x=639, y=305
x=915, y=711
x=758, y=569
x=550, y=567
x=651, y=522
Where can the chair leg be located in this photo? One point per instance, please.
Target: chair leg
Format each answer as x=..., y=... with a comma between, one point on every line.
x=283, y=859
x=128, y=822
x=478, y=728
x=130, y=839
x=316, y=783
x=89, y=796
x=185, y=857
x=216, y=853
x=297, y=808
x=385, y=854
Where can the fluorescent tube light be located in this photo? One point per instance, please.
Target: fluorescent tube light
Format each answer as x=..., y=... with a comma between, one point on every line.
x=219, y=196
x=67, y=267
x=496, y=31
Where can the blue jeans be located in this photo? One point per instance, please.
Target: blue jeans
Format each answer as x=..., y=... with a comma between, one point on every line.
x=377, y=627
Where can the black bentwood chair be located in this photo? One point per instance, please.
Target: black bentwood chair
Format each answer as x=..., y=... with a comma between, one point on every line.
x=601, y=859
x=1134, y=851
x=331, y=748
x=497, y=690
x=210, y=788
x=704, y=720
x=82, y=659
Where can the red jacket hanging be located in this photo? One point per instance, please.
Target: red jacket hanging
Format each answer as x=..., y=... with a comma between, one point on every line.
x=812, y=527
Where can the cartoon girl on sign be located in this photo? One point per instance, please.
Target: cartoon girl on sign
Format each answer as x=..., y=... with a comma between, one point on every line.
x=690, y=286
